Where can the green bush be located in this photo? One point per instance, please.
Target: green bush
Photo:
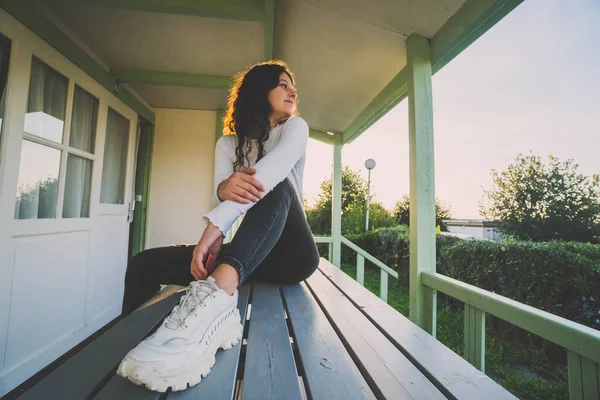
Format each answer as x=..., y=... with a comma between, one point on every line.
x=390, y=246
x=559, y=277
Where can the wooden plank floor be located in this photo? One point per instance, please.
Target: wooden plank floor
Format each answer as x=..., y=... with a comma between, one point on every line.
x=306, y=341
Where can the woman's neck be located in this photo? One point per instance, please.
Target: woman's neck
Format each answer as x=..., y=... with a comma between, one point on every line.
x=276, y=122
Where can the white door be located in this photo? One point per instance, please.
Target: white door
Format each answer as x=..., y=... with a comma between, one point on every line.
x=66, y=168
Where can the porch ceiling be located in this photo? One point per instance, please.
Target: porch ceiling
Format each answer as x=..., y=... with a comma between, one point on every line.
x=347, y=54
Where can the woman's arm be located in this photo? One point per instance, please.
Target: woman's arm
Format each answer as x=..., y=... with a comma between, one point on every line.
x=270, y=170
x=223, y=166
x=241, y=186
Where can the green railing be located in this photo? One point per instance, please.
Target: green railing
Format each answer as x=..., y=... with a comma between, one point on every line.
x=581, y=342
x=361, y=255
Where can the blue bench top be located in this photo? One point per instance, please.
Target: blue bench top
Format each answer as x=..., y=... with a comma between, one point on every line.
x=326, y=338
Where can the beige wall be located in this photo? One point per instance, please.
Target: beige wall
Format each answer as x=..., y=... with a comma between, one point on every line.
x=182, y=174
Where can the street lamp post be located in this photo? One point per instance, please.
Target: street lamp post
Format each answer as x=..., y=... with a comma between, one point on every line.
x=369, y=164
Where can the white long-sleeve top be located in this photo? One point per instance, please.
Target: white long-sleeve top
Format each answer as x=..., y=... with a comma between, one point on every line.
x=285, y=155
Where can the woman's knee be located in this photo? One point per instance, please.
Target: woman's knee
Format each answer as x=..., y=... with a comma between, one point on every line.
x=283, y=187
x=305, y=269
x=137, y=264
x=314, y=262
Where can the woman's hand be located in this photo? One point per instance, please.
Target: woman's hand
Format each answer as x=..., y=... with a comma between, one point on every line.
x=206, y=251
x=241, y=187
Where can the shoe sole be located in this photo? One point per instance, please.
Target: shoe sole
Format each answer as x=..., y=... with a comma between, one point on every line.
x=193, y=372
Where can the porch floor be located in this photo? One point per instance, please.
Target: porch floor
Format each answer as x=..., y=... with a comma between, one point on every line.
x=326, y=338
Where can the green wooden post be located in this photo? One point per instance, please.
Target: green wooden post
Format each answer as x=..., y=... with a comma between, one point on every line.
x=336, y=201
x=584, y=377
x=474, y=337
x=430, y=310
x=383, y=287
x=360, y=269
x=575, y=381
x=422, y=196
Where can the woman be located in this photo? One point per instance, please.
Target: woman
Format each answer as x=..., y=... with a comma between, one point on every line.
x=259, y=164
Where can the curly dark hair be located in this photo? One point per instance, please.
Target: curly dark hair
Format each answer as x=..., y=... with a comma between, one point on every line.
x=248, y=107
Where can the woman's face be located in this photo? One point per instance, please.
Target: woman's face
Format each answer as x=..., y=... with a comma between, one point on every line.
x=283, y=99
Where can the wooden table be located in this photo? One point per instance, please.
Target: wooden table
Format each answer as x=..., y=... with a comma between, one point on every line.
x=326, y=338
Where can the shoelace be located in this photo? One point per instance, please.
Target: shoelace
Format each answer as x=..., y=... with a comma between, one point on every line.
x=193, y=298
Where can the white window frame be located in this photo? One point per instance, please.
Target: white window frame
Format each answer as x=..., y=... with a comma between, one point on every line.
x=25, y=45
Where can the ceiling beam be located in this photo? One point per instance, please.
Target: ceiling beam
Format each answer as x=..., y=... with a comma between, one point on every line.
x=243, y=10
x=392, y=94
x=321, y=136
x=171, y=78
x=468, y=24
x=269, y=29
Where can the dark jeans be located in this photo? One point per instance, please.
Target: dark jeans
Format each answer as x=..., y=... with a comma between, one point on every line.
x=273, y=244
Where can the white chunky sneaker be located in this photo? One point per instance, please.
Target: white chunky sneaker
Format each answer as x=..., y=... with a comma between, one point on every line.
x=182, y=350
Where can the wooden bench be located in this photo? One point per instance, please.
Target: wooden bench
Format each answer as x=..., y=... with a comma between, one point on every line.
x=326, y=338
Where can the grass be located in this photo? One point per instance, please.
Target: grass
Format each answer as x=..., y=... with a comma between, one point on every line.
x=521, y=368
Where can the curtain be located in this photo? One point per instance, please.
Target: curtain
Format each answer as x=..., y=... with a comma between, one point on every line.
x=37, y=192
x=83, y=121
x=38, y=173
x=77, y=187
x=47, y=102
x=114, y=165
x=47, y=90
x=78, y=178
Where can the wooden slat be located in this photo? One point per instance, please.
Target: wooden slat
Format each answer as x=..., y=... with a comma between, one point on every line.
x=430, y=310
x=270, y=369
x=86, y=372
x=598, y=376
x=394, y=376
x=383, y=286
x=360, y=269
x=589, y=379
x=219, y=384
x=474, y=337
x=453, y=375
x=120, y=388
x=480, y=340
x=329, y=371
x=575, y=381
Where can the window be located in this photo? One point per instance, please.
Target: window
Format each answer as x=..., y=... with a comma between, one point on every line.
x=45, y=148
x=78, y=177
x=38, y=181
x=47, y=102
x=115, y=159
x=37, y=191
x=83, y=121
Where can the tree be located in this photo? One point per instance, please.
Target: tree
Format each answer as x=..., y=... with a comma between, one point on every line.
x=353, y=220
x=354, y=197
x=545, y=201
x=401, y=212
x=354, y=190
